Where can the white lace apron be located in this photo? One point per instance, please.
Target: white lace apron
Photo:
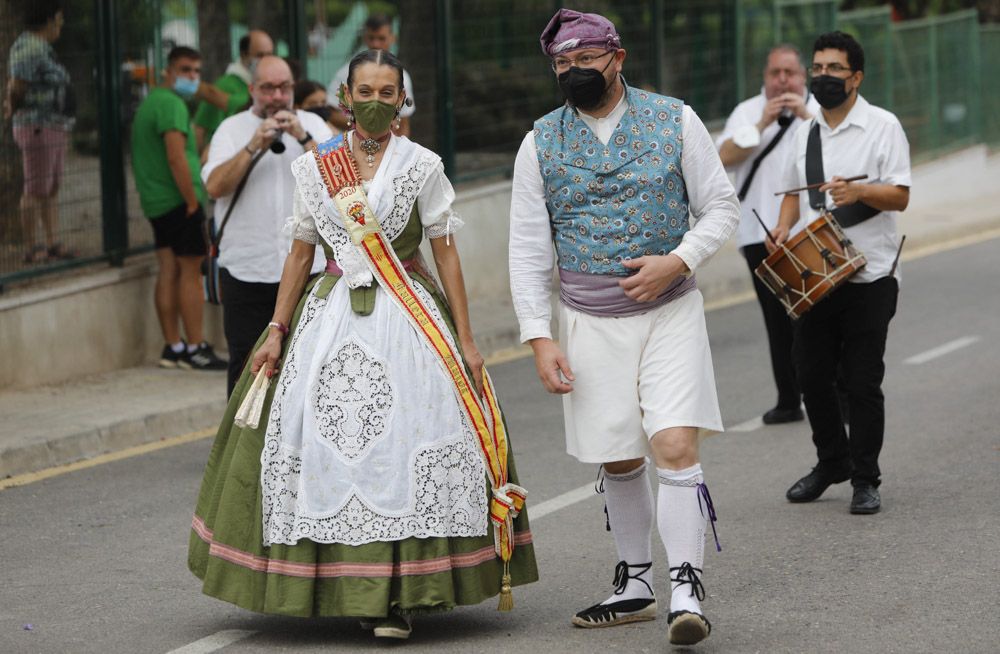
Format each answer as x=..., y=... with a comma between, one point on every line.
x=365, y=441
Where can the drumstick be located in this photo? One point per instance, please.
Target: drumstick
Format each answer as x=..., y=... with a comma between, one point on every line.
x=766, y=230
x=895, y=261
x=818, y=184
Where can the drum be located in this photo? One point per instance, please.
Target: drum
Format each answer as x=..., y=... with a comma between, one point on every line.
x=810, y=265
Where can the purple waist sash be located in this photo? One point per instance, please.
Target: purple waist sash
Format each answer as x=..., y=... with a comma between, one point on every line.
x=600, y=295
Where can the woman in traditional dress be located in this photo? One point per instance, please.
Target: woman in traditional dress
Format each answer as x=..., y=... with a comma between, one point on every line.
x=372, y=486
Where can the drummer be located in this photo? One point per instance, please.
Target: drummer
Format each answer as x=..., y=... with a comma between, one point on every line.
x=847, y=329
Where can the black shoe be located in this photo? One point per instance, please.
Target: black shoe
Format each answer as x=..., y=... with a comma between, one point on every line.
x=812, y=486
x=393, y=626
x=171, y=359
x=203, y=358
x=687, y=628
x=778, y=416
x=615, y=613
x=866, y=500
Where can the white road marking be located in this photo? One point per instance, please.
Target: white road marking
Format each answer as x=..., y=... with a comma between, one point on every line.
x=941, y=350
x=753, y=424
x=561, y=501
x=214, y=642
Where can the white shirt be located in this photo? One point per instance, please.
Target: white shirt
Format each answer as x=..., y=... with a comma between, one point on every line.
x=869, y=141
x=333, y=90
x=712, y=204
x=771, y=172
x=253, y=246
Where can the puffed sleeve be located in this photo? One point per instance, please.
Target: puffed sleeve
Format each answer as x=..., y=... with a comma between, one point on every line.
x=300, y=225
x=435, y=205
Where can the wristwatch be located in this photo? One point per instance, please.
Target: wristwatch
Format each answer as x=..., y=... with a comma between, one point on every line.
x=746, y=137
x=305, y=139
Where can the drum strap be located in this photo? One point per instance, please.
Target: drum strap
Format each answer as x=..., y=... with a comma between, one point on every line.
x=847, y=216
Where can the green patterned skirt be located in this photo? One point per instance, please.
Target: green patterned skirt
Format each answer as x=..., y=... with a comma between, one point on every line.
x=410, y=576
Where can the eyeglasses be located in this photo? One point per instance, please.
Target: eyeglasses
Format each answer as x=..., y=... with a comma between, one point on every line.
x=834, y=68
x=562, y=64
x=270, y=89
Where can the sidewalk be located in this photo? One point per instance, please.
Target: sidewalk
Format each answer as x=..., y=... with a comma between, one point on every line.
x=54, y=425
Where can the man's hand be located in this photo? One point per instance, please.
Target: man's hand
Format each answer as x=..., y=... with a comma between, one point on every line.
x=842, y=193
x=288, y=121
x=655, y=274
x=779, y=234
x=772, y=109
x=796, y=104
x=552, y=366
x=264, y=135
x=192, y=208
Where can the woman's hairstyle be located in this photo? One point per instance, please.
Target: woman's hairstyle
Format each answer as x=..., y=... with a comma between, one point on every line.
x=305, y=88
x=378, y=57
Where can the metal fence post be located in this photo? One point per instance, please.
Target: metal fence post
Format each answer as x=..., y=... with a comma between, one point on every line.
x=115, y=219
x=935, y=93
x=446, y=107
x=741, y=50
x=298, y=42
x=659, y=44
x=975, y=86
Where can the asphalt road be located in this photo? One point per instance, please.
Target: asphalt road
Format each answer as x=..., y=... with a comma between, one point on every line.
x=94, y=561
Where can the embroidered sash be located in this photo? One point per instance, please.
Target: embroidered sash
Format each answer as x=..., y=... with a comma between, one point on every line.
x=344, y=184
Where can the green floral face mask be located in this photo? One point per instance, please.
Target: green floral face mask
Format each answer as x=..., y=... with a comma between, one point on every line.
x=374, y=116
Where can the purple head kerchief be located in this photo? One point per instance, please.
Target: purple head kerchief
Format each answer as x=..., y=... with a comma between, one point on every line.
x=572, y=30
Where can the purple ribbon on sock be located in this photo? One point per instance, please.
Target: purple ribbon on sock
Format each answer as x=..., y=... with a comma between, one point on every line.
x=703, y=495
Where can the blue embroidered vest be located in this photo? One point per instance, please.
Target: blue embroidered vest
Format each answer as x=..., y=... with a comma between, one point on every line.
x=615, y=202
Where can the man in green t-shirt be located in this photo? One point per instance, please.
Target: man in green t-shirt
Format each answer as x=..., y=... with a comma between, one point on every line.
x=168, y=178
x=234, y=85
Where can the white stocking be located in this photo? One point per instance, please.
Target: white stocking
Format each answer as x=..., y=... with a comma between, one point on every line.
x=629, y=502
x=682, y=519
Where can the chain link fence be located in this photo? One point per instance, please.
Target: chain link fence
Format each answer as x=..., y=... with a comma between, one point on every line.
x=480, y=80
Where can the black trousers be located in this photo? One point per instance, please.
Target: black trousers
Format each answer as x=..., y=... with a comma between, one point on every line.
x=779, y=332
x=247, y=307
x=847, y=330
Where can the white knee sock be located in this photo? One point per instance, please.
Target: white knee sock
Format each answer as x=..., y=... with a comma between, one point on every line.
x=629, y=502
x=682, y=522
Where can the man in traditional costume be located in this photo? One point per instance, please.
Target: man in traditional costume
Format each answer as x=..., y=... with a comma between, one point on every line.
x=354, y=486
x=611, y=178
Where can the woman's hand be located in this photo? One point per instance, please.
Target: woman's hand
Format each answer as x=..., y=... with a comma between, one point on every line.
x=268, y=354
x=475, y=362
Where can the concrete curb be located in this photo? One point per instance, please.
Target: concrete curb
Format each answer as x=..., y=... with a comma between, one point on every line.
x=88, y=443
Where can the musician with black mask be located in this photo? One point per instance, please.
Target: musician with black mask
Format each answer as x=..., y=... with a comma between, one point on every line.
x=848, y=329
x=753, y=147
x=257, y=145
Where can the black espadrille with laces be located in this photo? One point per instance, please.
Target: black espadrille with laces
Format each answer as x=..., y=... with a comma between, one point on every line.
x=615, y=613
x=688, y=627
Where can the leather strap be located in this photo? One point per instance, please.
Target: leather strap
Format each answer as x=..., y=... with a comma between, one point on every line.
x=760, y=157
x=848, y=215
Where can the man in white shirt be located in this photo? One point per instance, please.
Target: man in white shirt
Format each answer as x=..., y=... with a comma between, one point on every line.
x=847, y=330
x=754, y=146
x=377, y=35
x=253, y=247
x=613, y=178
